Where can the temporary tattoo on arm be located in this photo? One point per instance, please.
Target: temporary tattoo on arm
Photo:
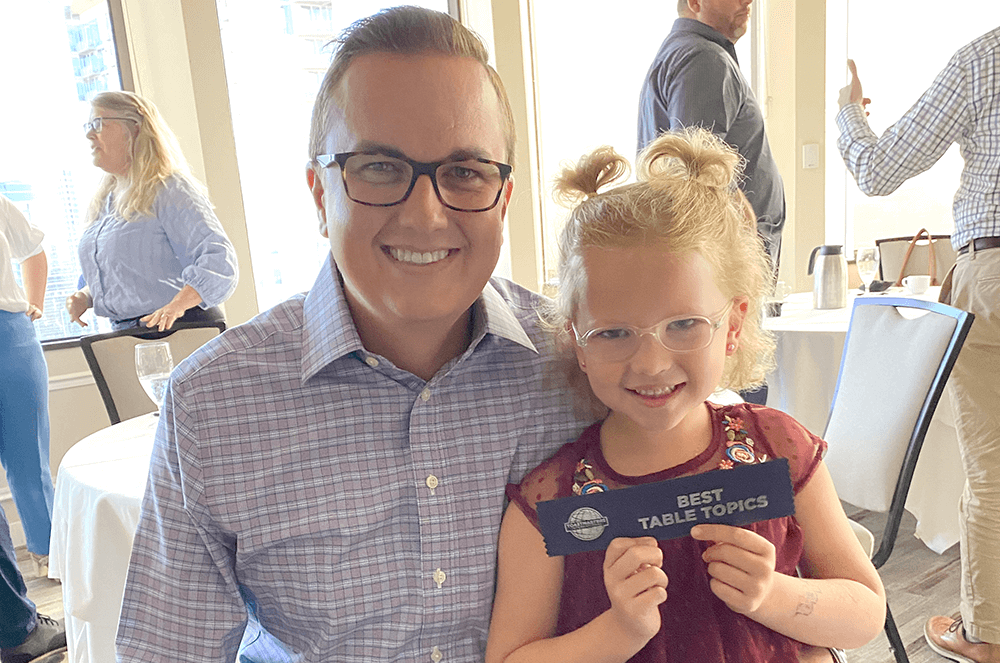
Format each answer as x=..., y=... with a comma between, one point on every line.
x=807, y=603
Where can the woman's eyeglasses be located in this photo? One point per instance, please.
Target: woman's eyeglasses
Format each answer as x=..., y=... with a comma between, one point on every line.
x=96, y=124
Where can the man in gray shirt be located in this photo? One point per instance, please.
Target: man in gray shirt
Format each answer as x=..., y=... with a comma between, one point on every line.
x=695, y=79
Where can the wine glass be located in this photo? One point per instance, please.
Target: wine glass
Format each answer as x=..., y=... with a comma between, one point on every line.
x=153, y=364
x=867, y=261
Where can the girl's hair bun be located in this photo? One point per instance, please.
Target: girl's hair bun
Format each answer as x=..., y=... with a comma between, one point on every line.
x=694, y=155
x=590, y=174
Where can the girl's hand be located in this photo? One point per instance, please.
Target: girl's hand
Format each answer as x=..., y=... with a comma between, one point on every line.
x=741, y=564
x=77, y=304
x=636, y=586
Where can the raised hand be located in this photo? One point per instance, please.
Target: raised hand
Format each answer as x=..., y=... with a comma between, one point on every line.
x=636, y=586
x=740, y=563
x=852, y=93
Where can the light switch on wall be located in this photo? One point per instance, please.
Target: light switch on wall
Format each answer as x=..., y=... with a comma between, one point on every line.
x=810, y=155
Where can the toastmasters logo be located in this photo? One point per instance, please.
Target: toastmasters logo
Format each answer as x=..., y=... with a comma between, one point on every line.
x=586, y=523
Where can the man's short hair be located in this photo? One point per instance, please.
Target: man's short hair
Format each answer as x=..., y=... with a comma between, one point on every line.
x=403, y=30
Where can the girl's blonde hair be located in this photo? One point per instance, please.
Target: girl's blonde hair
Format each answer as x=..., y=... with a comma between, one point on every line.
x=155, y=155
x=686, y=199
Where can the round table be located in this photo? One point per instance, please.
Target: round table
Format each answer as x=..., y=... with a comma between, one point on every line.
x=98, y=497
x=810, y=347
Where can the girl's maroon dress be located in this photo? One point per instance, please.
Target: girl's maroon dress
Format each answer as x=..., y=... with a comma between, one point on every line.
x=696, y=626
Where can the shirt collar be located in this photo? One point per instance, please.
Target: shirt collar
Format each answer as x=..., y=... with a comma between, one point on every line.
x=697, y=27
x=499, y=320
x=329, y=333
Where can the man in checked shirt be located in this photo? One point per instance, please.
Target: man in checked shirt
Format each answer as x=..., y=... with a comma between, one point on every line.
x=961, y=106
x=327, y=480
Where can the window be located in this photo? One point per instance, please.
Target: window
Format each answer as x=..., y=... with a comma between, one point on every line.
x=273, y=43
x=46, y=169
x=857, y=30
x=589, y=65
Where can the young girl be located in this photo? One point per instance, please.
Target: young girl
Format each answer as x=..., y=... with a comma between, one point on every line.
x=661, y=285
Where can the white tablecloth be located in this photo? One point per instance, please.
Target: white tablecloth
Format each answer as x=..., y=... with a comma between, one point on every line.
x=98, y=496
x=810, y=346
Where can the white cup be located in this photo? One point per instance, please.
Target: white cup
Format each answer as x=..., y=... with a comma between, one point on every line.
x=917, y=284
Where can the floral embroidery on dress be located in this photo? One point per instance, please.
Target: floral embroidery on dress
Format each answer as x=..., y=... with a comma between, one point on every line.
x=584, y=481
x=739, y=445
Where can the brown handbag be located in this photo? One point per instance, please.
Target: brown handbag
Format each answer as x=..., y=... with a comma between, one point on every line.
x=932, y=263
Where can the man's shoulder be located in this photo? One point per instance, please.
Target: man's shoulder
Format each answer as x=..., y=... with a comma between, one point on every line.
x=684, y=53
x=979, y=49
x=274, y=334
x=690, y=35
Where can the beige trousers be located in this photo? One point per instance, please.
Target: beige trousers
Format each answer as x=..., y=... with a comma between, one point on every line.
x=974, y=389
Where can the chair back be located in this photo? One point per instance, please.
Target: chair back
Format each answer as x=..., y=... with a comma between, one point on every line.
x=111, y=358
x=897, y=260
x=897, y=358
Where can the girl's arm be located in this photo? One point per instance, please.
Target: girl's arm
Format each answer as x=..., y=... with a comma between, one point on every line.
x=839, y=603
x=529, y=584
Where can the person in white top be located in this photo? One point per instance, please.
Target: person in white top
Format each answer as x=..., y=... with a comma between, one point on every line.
x=24, y=434
x=24, y=409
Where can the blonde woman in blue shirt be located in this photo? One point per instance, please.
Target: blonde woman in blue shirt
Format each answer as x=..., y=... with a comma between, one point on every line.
x=153, y=252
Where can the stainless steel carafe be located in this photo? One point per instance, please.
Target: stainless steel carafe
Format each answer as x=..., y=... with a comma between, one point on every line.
x=829, y=269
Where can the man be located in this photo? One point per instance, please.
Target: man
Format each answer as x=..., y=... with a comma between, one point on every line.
x=961, y=106
x=24, y=634
x=695, y=79
x=333, y=471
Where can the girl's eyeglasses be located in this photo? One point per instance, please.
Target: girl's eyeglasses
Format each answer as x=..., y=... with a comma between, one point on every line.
x=683, y=333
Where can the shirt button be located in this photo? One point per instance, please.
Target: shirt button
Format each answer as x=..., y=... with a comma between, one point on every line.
x=371, y=361
x=432, y=482
x=425, y=395
x=436, y=655
x=439, y=577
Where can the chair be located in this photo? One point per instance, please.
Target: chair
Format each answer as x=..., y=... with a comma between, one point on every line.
x=897, y=358
x=111, y=358
x=896, y=260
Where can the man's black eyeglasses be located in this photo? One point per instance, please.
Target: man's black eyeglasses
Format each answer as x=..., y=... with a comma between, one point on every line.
x=380, y=180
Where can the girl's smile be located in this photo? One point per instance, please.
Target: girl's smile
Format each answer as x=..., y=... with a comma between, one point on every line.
x=656, y=397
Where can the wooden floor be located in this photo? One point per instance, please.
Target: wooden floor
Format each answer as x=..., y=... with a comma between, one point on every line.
x=919, y=583
x=46, y=593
